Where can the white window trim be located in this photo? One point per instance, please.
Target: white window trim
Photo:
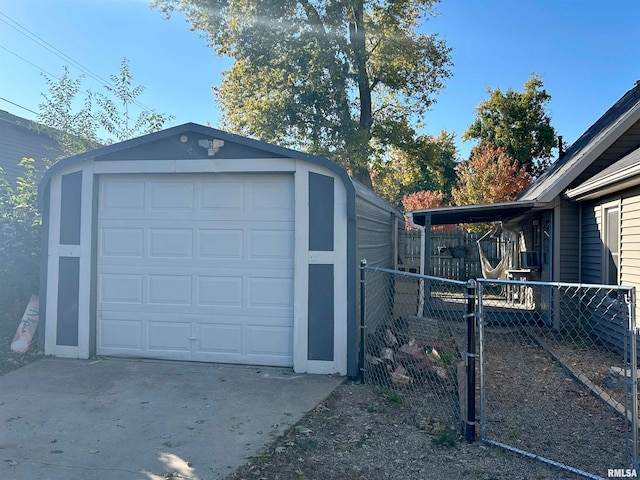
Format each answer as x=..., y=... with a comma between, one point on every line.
x=604, y=209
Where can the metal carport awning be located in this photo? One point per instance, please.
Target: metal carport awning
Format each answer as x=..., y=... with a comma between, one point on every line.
x=491, y=212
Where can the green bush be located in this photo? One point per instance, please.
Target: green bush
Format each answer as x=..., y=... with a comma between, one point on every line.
x=19, y=243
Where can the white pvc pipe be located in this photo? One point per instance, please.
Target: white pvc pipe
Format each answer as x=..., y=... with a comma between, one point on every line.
x=421, y=229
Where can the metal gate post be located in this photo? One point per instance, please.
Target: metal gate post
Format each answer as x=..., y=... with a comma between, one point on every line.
x=363, y=317
x=633, y=334
x=480, y=318
x=470, y=421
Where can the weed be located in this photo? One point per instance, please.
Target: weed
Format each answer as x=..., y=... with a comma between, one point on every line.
x=392, y=396
x=446, y=358
x=445, y=439
x=307, y=444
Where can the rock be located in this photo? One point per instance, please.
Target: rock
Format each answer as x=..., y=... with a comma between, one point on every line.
x=386, y=354
x=617, y=378
x=390, y=339
x=400, y=380
x=441, y=373
x=410, y=354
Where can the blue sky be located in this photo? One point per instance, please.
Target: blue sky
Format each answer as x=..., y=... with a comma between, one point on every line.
x=587, y=51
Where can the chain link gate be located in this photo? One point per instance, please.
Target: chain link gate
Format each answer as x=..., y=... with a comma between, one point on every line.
x=557, y=377
x=414, y=332
x=558, y=374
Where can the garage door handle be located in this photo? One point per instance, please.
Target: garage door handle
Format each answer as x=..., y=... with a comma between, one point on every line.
x=193, y=338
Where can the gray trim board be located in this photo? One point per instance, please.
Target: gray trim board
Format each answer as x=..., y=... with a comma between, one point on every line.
x=93, y=289
x=321, y=212
x=70, y=208
x=68, y=296
x=321, y=312
x=44, y=268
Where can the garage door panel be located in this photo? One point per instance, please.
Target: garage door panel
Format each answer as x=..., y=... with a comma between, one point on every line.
x=273, y=341
x=122, y=242
x=122, y=197
x=122, y=288
x=170, y=243
x=220, y=291
x=276, y=197
x=173, y=195
x=220, y=243
x=222, y=196
x=270, y=244
x=197, y=269
x=170, y=289
x=169, y=336
x=224, y=338
x=270, y=292
x=121, y=334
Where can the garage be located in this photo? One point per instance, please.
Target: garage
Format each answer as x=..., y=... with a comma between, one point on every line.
x=196, y=267
x=194, y=244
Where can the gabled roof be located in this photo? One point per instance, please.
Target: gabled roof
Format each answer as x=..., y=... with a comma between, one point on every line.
x=182, y=143
x=560, y=175
x=624, y=173
x=584, y=151
x=20, y=138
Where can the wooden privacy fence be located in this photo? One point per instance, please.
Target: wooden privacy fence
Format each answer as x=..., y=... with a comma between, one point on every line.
x=453, y=253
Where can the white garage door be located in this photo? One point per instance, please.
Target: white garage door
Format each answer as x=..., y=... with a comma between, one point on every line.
x=196, y=267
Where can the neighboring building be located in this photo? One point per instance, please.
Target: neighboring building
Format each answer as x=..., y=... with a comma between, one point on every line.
x=578, y=222
x=195, y=244
x=21, y=138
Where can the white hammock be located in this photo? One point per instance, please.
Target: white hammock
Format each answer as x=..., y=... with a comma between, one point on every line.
x=497, y=272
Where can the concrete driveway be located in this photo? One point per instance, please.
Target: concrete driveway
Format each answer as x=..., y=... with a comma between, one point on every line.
x=137, y=419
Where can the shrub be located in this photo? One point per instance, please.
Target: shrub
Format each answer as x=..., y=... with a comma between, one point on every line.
x=19, y=242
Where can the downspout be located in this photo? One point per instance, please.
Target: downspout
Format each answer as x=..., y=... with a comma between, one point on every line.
x=422, y=231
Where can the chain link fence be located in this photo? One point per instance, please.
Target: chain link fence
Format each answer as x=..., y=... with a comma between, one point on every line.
x=414, y=331
x=557, y=363
x=557, y=373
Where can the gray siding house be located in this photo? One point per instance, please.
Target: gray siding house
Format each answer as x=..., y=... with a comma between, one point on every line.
x=195, y=244
x=578, y=222
x=22, y=138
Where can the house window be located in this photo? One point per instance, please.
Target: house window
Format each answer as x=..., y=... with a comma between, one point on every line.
x=611, y=244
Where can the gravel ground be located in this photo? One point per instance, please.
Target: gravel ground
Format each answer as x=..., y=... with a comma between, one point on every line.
x=533, y=404
x=371, y=432
x=361, y=433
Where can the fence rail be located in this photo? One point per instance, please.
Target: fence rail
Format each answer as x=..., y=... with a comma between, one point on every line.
x=453, y=253
x=557, y=363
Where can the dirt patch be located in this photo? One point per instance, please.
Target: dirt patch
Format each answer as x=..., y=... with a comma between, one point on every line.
x=364, y=432
x=533, y=404
x=378, y=432
x=9, y=360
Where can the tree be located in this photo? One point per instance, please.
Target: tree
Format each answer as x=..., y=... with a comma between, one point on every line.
x=490, y=175
x=114, y=115
x=78, y=129
x=518, y=122
x=76, y=132
x=19, y=240
x=428, y=164
x=423, y=200
x=343, y=78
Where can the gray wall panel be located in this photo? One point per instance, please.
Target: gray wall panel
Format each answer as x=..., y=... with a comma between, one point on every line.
x=321, y=212
x=321, y=312
x=68, y=287
x=70, y=208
